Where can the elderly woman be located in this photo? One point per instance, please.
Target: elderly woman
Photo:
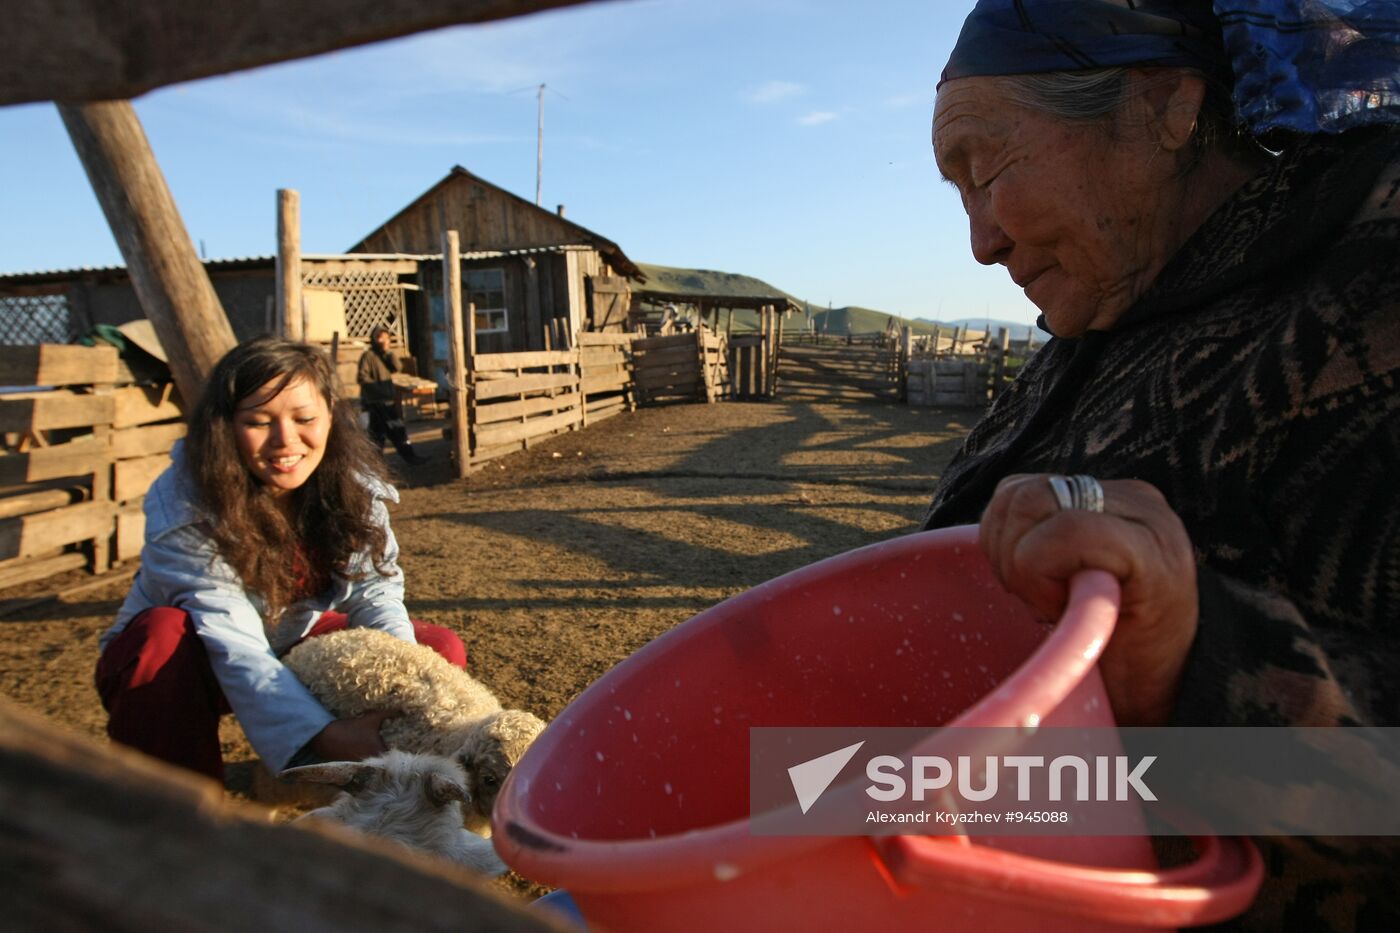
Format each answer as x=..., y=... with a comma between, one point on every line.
x=1223, y=383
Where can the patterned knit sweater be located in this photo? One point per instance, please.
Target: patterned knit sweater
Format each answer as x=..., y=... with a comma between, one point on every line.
x=1255, y=385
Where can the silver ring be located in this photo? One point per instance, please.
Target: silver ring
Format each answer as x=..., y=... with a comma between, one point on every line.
x=1089, y=493
x=1063, y=490
x=1077, y=492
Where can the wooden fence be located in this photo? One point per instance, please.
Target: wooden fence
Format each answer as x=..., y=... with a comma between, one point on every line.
x=950, y=383
x=969, y=380
x=855, y=366
x=514, y=399
x=690, y=367
x=83, y=442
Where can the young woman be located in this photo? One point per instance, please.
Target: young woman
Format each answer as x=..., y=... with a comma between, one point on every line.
x=269, y=527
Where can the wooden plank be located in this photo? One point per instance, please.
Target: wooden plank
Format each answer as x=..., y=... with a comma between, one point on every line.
x=663, y=343
x=137, y=405
x=509, y=433
x=94, y=830
x=29, y=535
x=523, y=408
x=592, y=339
x=654, y=358
x=143, y=442
x=27, y=571
x=667, y=375
x=291, y=312
x=602, y=356
x=77, y=52
x=349, y=264
x=621, y=371
x=133, y=477
x=517, y=385
x=681, y=383
x=495, y=362
x=101, y=549
x=51, y=364
x=459, y=398
x=78, y=457
x=594, y=384
x=131, y=533
x=49, y=410
x=40, y=500
x=601, y=408
x=691, y=369
x=169, y=280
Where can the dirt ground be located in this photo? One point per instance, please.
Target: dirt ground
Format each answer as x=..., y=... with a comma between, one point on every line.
x=556, y=563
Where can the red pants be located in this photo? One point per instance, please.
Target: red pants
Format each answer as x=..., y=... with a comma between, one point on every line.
x=161, y=695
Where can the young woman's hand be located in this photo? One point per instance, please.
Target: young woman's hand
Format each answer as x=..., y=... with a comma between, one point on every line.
x=352, y=739
x=1035, y=547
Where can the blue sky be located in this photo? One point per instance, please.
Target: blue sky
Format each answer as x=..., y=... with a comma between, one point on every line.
x=784, y=139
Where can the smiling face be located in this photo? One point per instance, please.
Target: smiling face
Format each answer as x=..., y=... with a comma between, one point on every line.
x=281, y=438
x=1074, y=211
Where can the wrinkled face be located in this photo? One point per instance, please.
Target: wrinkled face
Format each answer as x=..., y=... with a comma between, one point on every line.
x=281, y=438
x=1065, y=207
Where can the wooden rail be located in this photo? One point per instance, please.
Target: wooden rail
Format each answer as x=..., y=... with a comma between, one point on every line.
x=100, y=837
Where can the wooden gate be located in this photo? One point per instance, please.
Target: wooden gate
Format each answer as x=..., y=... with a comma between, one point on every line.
x=817, y=366
x=609, y=298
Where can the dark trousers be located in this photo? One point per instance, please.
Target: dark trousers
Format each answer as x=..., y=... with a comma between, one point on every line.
x=161, y=695
x=384, y=425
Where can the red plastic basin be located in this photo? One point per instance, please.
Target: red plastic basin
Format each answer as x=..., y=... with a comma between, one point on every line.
x=635, y=798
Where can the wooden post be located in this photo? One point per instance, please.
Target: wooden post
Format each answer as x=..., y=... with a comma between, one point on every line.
x=906, y=345
x=291, y=316
x=102, y=487
x=768, y=354
x=1003, y=346
x=729, y=327
x=170, y=281
x=456, y=352
x=777, y=351
x=765, y=332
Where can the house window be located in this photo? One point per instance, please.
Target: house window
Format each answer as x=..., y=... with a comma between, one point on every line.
x=486, y=289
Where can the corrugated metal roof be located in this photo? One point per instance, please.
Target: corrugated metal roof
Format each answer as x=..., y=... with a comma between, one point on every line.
x=252, y=262
x=108, y=270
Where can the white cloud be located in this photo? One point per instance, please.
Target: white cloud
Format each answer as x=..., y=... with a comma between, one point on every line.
x=816, y=118
x=918, y=99
x=773, y=91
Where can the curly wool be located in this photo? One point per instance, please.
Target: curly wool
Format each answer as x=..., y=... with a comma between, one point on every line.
x=360, y=670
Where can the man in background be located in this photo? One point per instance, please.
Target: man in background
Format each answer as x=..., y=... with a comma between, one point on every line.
x=375, y=376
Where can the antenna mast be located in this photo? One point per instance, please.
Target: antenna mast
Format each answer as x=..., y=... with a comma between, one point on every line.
x=539, y=150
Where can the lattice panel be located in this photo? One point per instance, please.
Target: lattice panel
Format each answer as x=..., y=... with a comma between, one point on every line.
x=32, y=319
x=372, y=298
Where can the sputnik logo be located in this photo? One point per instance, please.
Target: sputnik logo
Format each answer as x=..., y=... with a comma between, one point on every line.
x=811, y=778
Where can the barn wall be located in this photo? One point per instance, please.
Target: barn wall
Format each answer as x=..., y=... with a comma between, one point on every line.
x=483, y=216
x=244, y=296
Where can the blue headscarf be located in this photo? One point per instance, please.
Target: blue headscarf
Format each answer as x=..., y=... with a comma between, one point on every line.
x=1304, y=65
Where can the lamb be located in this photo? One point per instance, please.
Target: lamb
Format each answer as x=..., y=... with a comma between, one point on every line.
x=441, y=709
x=412, y=799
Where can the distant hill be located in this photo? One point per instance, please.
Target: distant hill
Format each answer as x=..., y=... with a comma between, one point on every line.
x=857, y=320
x=705, y=282
x=848, y=320
x=1017, y=329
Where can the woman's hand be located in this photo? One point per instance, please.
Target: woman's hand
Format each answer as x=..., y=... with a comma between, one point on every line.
x=1035, y=548
x=352, y=739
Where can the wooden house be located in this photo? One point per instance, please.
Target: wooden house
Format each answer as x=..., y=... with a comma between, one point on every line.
x=534, y=277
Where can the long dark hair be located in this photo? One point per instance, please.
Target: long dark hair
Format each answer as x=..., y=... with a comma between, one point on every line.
x=331, y=516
